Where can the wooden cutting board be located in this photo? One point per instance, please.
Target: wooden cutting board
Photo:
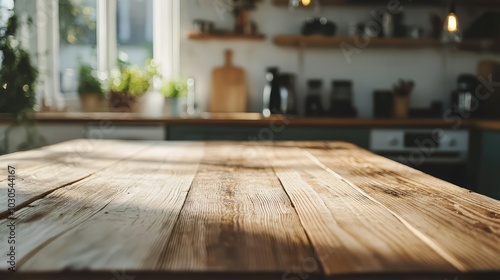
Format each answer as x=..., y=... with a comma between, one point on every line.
x=229, y=88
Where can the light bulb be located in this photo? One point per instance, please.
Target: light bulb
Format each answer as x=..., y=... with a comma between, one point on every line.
x=452, y=23
x=295, y=4
x=451, y=29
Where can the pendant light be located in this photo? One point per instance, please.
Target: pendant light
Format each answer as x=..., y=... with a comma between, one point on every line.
x=451, y=28
x=295, y=4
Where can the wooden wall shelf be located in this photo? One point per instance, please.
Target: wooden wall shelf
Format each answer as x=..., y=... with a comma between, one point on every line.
x=399, y=43
x=225, y=36
x=322, y=41
x=403, y=2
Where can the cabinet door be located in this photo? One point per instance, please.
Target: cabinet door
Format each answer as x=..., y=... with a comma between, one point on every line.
x=212, y=133
x=356, y=136
x=489, y=175
x=29, y=137
x=108, y=130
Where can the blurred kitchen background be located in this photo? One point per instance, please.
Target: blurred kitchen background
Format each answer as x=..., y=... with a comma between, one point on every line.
x=414, y=55
x=397, y=77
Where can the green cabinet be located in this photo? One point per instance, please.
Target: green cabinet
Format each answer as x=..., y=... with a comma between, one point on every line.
x=489, y=164
x=357, y=136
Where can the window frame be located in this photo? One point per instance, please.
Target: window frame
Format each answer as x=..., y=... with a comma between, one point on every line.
x=166, y=43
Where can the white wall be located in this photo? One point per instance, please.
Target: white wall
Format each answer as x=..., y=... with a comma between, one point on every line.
x=433, y=70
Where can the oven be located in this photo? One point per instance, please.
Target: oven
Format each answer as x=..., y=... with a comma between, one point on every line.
x=442, y=153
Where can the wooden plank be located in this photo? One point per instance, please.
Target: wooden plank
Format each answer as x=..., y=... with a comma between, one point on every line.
x=225, y=36
x=284, y=210
x=237, y=218
x=25, y=159
x=461, y=224
x=151, y=275
x=111, y=221
x=29, y=161
x=351, y=234
x=249, y=119
x=40, y=172
x=334, y=41
x=370, y=3
x=374, y=42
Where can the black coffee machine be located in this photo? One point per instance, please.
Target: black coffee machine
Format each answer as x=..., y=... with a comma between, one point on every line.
x=464, y=102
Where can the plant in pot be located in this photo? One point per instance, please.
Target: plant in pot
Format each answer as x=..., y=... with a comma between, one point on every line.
x=175, y=92
x=128, y=84
x=17, y=75
x=18, y=79
x=90, y=89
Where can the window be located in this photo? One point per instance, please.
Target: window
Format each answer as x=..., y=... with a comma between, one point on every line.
x=96, y=32
x=77, y=40
x=135, y=30
x=5, y=7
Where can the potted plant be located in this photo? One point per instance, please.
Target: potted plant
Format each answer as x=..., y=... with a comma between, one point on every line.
x=90, y=89
x=175, y=92
x=128, y=84
x=241, y=11
x=17, y=74
x=18, y=78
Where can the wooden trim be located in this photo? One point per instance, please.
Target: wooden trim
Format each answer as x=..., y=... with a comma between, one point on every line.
x=362, y=42
x=430, y=3
x=223, y=36
x=254, y=119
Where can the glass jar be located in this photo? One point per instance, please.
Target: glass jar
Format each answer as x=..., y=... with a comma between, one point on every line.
x=314, y=104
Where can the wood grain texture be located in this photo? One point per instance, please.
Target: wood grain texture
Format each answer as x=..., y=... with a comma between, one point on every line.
x=123, y=213
x=237, y=218
x=462, y=225
x=227, y=210
x=56, y=166
x=350, y=222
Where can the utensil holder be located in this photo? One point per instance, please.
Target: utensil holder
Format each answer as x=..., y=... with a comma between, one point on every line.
x=401, y=106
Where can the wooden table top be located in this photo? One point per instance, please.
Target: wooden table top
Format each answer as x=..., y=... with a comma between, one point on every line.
x=93, y=209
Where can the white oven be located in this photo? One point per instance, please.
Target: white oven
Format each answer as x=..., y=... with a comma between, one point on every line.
x=439, y=152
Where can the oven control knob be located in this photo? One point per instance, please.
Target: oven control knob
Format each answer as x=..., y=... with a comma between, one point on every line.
x=393, y=142
x=453, y=143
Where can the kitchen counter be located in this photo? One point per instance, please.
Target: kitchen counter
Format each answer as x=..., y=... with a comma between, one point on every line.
x=258, y=119
x=94, y=209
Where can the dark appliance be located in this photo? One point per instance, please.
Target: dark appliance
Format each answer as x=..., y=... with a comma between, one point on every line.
x=272, y=94
x=341, y=103
x=383, y=104
x=462, y=99
x=287, y=94
x=435, y=111
x=314, y=105
x=441, y=153
x=319, y=26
